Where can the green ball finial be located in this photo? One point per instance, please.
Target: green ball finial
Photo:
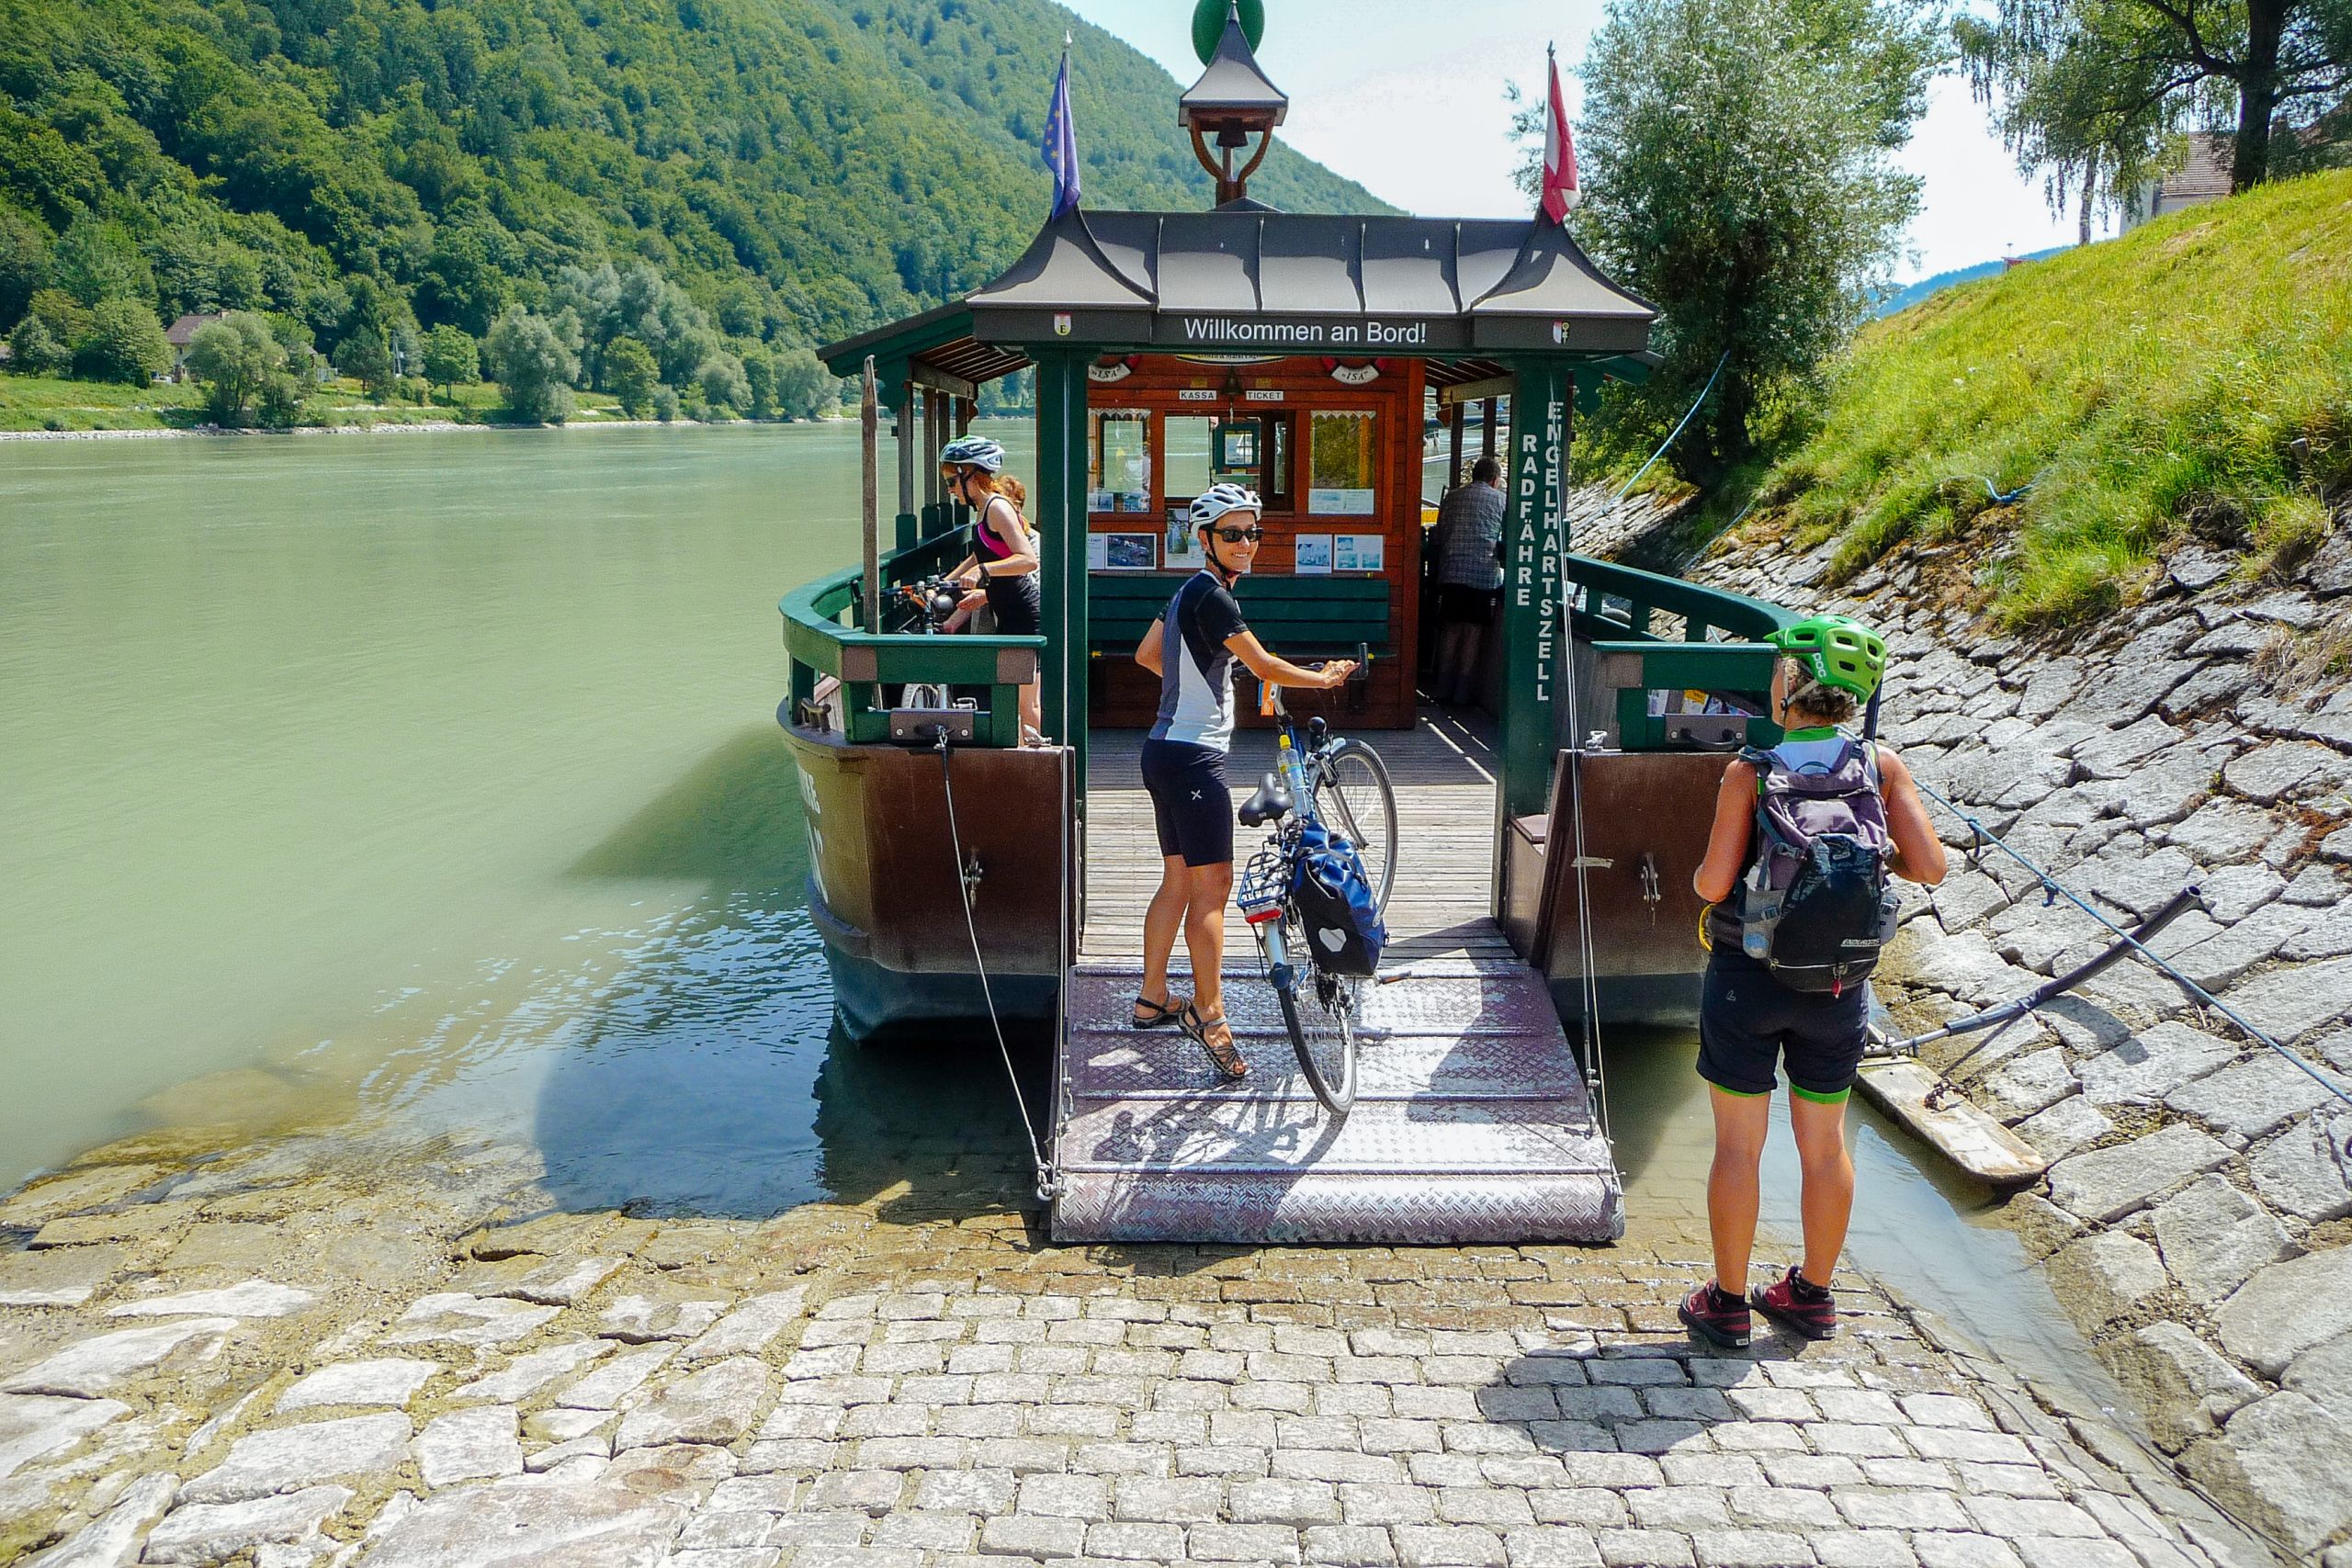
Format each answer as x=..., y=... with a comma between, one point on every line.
x=1209, y=25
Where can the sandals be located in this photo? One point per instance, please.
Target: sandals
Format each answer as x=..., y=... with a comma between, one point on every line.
x=1215, y=1038
x=1150, y=1014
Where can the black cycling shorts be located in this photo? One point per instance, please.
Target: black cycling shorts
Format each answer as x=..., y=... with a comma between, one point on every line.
x=1019, y=603
x=1191, y=804
x=1749, y=1022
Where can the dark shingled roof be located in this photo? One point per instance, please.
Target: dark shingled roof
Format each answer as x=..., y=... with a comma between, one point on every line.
x=1246, y=277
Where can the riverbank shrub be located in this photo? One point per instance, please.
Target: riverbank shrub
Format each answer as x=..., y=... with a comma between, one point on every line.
x=123, y=343
x=450, y=356
x=234, y=358
x=2193, y=376
x=533, y=365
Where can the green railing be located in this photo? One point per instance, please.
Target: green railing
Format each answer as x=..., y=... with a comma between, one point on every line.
x=821, y=637
x=1619, y=616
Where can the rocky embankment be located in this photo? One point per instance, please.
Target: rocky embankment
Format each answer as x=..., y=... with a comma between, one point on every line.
x=2194, y=1220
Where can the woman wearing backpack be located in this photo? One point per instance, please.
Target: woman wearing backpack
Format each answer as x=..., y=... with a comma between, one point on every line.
x=1804, y=838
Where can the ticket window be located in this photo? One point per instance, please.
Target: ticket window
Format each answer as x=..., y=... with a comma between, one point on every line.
x=1252, y=450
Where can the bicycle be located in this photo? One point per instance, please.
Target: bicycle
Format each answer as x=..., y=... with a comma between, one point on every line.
x=1319, y=1007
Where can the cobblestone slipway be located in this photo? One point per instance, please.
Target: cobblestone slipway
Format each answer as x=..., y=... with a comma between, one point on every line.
x=258, y=1360
x=2195, y=1220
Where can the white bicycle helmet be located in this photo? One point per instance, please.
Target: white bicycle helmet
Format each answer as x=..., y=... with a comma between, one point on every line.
x=1219, y=499
x=974, y=452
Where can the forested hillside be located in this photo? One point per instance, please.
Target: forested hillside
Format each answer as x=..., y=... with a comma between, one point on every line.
x=757, y=173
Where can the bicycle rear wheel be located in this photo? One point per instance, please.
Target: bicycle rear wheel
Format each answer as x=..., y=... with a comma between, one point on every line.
x=1319, y=1011
x=1353, y=795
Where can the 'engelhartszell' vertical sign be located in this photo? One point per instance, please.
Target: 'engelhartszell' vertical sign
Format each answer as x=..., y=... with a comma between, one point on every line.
x=1536, y=552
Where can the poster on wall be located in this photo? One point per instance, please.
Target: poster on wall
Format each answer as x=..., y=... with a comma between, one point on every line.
x=1181, y=547
x=1311, y=555
x=1129, y=552
x=1098, y=552
x=1360, y=552
x=1339, y=502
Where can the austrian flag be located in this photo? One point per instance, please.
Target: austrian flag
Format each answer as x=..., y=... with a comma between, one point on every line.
x=1561, y=192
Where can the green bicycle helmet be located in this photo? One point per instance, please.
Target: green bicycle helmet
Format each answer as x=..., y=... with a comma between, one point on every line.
x=1838, y=649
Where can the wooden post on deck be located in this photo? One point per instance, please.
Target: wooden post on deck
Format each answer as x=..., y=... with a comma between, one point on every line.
x=1535, y=623
x=869, y=440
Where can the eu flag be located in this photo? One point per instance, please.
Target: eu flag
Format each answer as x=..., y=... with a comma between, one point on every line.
x=1061, y=143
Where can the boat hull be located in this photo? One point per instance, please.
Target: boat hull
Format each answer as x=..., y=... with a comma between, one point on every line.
x=887, y=888
x=1646, y=817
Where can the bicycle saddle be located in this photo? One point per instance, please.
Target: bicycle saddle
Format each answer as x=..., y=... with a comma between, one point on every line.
x=1271, y=803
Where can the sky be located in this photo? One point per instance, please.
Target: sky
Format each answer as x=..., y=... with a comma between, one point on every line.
x=1369, y=80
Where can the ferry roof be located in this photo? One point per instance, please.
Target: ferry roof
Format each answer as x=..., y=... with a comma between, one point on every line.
x=1244, y=277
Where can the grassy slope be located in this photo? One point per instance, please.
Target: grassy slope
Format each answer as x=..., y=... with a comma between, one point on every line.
x=2146, y=386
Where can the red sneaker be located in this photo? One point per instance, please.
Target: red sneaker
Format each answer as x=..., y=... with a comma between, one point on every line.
x=1715, y=1316
x=1798, y=1305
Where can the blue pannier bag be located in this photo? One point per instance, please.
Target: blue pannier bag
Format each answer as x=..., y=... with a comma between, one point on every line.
x=1334, y=900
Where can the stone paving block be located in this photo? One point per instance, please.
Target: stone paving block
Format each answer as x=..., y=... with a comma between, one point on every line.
x=1033, y=1535
x=870, y=1490
x=207, y=1533
x=1871, y=1509
x=2070, y=1552
x=2105, y=1184
x=2021, y=1517
x=1937, y=1549
x=1448, y=1546
x=1986, y=1447
x=1643, y=1549
x=1750, y=1549
x=1679, y=1507
x=1278, y=1502
x=2287, y=1308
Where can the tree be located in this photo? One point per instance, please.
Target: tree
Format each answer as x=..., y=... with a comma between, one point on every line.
x=450, y=356
x=723, y=384
x=1739, y=173
x=804, y=388
x=33, y=349
x=124, y=344
x=2075, y=81
x=759, y=378
x=533, y=367
x=234, y=357
x=95, y=260
x=630, y=375
x=24, y=261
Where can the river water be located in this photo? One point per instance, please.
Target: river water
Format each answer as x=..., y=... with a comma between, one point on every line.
x=436, y=777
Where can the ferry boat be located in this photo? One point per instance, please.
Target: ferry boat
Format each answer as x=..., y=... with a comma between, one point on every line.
x=1300, y=354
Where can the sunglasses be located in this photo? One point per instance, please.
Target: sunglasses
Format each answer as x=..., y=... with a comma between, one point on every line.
x=1235, y=535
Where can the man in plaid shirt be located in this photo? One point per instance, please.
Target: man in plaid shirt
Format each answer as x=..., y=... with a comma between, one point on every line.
x=1469, y=537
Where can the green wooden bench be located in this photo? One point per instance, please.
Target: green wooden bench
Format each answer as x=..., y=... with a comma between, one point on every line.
x=1304, y=616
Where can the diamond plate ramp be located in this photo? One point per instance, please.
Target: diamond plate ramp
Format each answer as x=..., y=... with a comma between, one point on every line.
x=1471, y=1122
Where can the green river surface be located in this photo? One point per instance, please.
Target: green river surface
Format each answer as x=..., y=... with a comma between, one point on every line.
x=435, y=778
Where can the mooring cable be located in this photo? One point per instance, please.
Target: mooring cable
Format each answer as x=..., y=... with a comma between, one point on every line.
x=1047, y=1186
x=2052, y=890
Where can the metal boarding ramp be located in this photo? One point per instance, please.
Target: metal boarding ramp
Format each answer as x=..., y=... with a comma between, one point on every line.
x=1472, y=1124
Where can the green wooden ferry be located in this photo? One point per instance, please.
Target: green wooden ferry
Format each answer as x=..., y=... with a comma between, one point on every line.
x=1304, y=354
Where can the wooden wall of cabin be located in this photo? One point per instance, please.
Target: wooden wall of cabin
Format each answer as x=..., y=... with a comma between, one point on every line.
x=1123, y=695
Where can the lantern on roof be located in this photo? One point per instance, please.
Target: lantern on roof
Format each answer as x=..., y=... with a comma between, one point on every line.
x=1232, y=101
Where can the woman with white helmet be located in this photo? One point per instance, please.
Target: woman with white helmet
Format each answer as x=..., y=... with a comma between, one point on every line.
x=1193, y=647
x=1003, y=562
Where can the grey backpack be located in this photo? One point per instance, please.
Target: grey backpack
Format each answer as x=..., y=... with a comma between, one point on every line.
x=1817, y=906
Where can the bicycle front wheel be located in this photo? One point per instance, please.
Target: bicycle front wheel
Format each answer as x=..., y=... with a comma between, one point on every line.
x=1319, y=1011
x=1353, y=795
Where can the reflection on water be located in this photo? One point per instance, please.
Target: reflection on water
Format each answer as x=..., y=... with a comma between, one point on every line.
x=1921, y=1225
x=435, y=770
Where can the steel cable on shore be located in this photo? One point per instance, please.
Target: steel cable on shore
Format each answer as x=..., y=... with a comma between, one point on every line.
x=2052, y=890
